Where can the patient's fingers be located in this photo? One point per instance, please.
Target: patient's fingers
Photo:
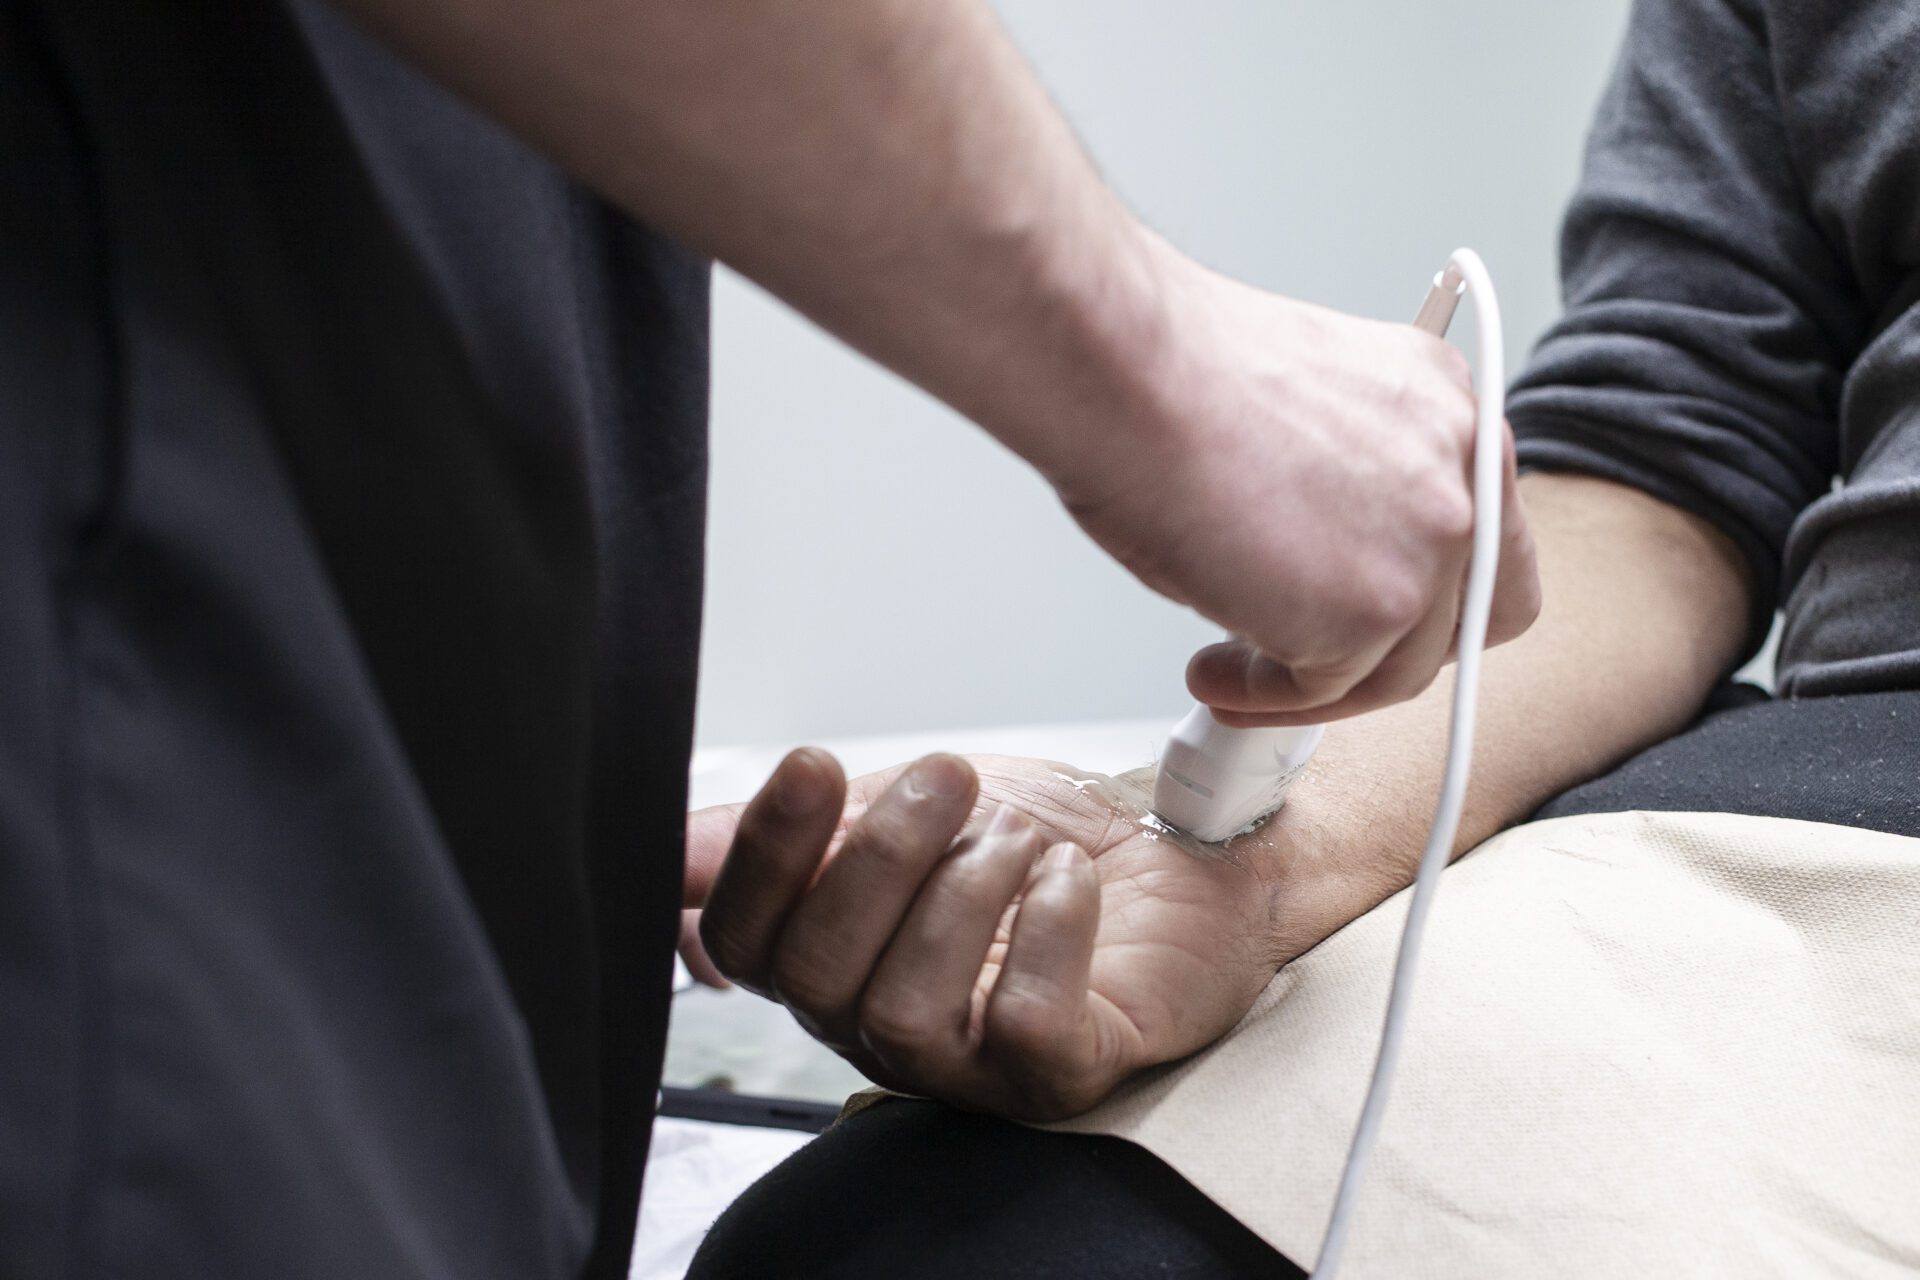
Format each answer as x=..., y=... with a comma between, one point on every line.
x=834, y=938
x=709, y=836
x=693, y=953
x=917, y=1013
x=1040, y=1033
x=782, y=836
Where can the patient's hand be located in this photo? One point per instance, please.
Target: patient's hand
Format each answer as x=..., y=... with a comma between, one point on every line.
x=1022, y=959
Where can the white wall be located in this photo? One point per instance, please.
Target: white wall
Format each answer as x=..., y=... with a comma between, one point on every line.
x=877, y=564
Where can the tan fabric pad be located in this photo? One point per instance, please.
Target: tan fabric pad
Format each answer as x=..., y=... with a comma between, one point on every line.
x=1642, y=1044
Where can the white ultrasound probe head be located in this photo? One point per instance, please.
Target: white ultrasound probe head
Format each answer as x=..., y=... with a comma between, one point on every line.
x=1214, y=781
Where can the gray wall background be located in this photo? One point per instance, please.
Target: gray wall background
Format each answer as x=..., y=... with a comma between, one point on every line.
x=877, y=564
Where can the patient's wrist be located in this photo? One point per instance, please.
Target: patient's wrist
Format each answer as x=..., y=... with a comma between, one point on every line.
x=1328, y=857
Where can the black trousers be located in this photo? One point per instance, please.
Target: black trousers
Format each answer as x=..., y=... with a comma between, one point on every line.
x=916, y=1189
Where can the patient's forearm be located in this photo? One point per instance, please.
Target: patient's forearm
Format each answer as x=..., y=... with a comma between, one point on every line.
x=1644, y=608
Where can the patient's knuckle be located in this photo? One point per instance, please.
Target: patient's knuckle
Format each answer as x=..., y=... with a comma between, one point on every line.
x=889, y=841
x=898, y=1027
x=1023, y=1025
x=801, y=983
x=727, y=944
x=967, y=878
x=1046, y=1089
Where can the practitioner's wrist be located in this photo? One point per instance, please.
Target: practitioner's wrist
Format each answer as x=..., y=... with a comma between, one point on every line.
x=1093, y=400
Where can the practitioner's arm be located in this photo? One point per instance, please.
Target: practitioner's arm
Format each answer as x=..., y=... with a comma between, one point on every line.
x=894, y=170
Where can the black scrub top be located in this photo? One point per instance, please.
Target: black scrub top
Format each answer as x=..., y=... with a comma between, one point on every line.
x=351, y=494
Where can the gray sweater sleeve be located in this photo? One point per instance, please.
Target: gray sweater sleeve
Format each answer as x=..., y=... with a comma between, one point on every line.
x=1708, y=322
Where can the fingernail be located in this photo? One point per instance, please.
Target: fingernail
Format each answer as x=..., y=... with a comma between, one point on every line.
x=1061, y=857
x=937, y=778
x=1005, y=821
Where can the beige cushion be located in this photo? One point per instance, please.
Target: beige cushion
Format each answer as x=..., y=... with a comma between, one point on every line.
x=1641, y=1044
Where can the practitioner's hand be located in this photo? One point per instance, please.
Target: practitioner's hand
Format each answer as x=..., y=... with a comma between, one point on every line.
x=1309, y=489
x=1001, y=940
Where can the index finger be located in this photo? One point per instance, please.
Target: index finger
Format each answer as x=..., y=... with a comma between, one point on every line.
x=709, y=836
x=777, y=846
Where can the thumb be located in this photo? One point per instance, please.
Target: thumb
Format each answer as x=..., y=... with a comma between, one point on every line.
x=709, y=836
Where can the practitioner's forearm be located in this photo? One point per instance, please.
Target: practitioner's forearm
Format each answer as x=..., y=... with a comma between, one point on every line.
x=890, y=167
